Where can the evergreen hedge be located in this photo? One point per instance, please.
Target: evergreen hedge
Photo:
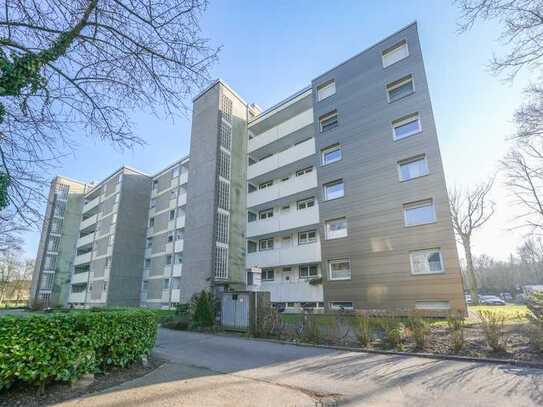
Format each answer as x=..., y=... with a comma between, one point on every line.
x=64, y=346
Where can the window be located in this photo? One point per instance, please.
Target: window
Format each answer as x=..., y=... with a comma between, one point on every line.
x=173, y=194
x=265, y=214
x=225, y=133
x=419, y=213
x=223, y=223
x=170, y=237
x=285, y=209
x=155, y=185
x=331, y=154
x=151, y=222
x=224, y=165
x=176, y=283
x=153, y=203
x=149, y=242
x=304, y=171
x=395, y=53
x=178, y=234
x=251, y=246
x=175, y=172
x=61, y=191
x=305, y=203
x=221, y=262
x=265, y=244
x=309, y=236
x=147, y=263
x=336, y=228
x=334, y=190
x=224, y=195
x=432, y=305
x=413, y=168
x=426, y=261
x=308, y=271
x=53, y=243
x=172, y=214
x=339, y=269
x=251, y=216
x=169, y=259
x=178, y=258
x=107, y=264
x=401, y=88
x=226, y=107
x=165, y=283
x=341, y=305
x=266, y=184
x=406, y=126
x=328, y=121
x=285, y=179
x=326, y=90
x=145, y=285
x=268, y=275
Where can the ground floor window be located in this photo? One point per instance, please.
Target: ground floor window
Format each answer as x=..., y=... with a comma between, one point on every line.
x=341, y=305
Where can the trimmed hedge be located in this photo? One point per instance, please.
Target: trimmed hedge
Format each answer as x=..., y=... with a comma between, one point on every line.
x=64, y=346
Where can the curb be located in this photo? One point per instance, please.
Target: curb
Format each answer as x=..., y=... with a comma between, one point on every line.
x=514, y=362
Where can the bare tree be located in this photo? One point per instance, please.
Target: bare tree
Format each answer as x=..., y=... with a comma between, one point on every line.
x=470, y=210
x=77, y=66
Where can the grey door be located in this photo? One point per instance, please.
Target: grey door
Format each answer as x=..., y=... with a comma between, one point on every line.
x=235, y=311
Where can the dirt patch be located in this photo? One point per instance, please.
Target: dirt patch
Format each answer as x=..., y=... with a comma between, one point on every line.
x=24, y=395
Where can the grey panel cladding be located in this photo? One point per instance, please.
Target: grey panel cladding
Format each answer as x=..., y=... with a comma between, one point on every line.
x=161, y=222
x=98, y=267
x=97, y=289
x=154, y=289
x=112, y=184
x=162, y=202
x=378, y=243
x=157, y=265
x=100, y=246
x=164, y=181
x=159, y=243
x=107, y=205
x=105, y=225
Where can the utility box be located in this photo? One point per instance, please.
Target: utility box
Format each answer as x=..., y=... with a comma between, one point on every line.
x=240, y=309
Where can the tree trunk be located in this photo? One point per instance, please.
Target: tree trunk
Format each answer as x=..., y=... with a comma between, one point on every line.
x=470, y=272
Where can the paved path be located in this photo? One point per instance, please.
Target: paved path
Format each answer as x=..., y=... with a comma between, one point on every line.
x=205, y=370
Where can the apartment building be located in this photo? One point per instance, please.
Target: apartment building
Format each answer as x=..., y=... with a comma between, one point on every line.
x=333, y=198
x=54, y=260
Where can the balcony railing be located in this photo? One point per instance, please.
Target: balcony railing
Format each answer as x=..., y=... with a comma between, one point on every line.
x=293, y=291
x=287, y=127
x=177, y=269
x=88, y=222
x=283, y=189
x=85, y=240
x=91, y=204
x=291, y=220
x=176, y=295
x=82, y=259
x=77, y=297
x=308, y=253
x=78, y=278
x=289, y=156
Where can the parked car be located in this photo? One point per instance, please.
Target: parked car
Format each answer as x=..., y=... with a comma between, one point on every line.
x=490, y=300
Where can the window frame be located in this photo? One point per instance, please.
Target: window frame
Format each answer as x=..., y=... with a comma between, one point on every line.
x=335, y=261
x=404, y=120
x=307, y=240
x=303, y=171
x=393, y=48
x=265, y=184
x=330, y=149
x=265, y=274
x=411, y=160
x=268, y=214
x=309, y=275
x=305, y=202
x=267, y=248
x=335, y=308
x=419, y=204
x=324, y=85
x=327, y=222
x=399, y=83
x=331, y=183
x=327, y=116
x=428, y=271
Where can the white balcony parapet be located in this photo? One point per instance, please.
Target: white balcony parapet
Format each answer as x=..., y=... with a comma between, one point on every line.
x=77, y=297
x=293, y=291
x=180, y=222
x=85, y=240
x=82, y=259
x=182, y=199
x=308, y=253
x=291, y=220
x=176, y=295
x=88, y=222
x=177, y=270
x=283, y=189
x=287, y=127
x=91, y=204
x=288, y=156
x=184, y=177
x=178, y=246
x=78, y=278
x=165, y=296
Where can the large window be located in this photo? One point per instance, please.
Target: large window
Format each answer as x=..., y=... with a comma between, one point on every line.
x=401, y=88
x=426, y=261
x=339, y=269
x=419, y=213
x=265, y=244
x=225, y=132
x=305, y=203
x=226, y=108
x=341, y=305
x=413, y=168
x=306, y=237
x=328, y=121
x=265, y=214
x=266, y=184
x=268, y=275
x=304, y=171
x=223, y=225
x=221, y=262
x=224, y=194
x=333, y=190
x=326, y=90
x=406, y=126
x=331, y=154
x=336, y=228
x=308, y=271
x=395, y=53
x=224, y=164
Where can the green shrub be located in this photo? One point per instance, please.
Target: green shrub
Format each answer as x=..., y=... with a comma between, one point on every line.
x=64, y=346
x=535, y=305
x=456, y=331
x=363, y=329
x=177, y=324
x=394, y=331
x=492, y=325
x=419, y=329
x=203, y=310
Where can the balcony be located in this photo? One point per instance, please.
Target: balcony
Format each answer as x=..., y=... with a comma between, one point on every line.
x=180, y=222
x=283, y=189
x=182, y=199
x=165, y=296
x=178, y=246
x=184, y=177
x=289, y=156
x=177, y=269
x=309, y=253
x=83, y=259
x=78, y=278
x=91, y=204
x=275, y=133
x=85, y=240
x=87, y=223
x=77, y=297
x=291, y=220
x=176, y=295
x=293, y=291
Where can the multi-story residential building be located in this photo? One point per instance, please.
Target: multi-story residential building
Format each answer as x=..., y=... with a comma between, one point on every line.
x=54, y=261
x=333, y=198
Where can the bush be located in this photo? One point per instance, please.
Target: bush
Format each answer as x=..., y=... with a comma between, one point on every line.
x=456, y=331
x=535, y=305
x=64, y=346
x=492, y=325
x=419, y=329
x=363, y=329
x=203, y=310
x=394, y=331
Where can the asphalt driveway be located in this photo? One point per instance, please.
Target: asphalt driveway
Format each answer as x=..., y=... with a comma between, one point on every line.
x=207, y=370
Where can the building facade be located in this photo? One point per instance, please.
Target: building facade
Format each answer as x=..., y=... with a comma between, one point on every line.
x=333, y=198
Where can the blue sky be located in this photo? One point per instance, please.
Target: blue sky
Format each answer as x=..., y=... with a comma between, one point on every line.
x=272, y=49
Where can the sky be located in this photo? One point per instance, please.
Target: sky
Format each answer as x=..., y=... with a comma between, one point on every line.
x=271, y=49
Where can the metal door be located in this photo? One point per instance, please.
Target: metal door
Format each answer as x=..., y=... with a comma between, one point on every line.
x=235, y=311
